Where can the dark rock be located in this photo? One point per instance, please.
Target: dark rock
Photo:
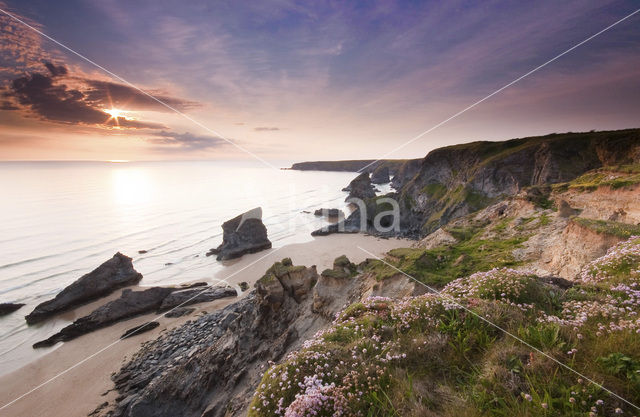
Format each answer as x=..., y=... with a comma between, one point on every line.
x=8, y=308
x=196, y=295
x=150, y=325
x=360, y=187
x=380, y=175
x=405, y=173
x=565, y=210
x=617, y=215
x=143, y=251
x=351, y=224
x=193, y=285
x=243, y=234
x=243, y=286
x=115, y=273
x=179, y=312
x=559, y=282
x=130, y=304
x=329, y=212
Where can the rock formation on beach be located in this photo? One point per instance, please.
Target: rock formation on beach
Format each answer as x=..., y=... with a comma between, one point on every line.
x=145, y=327
x=113, y=274
x=329, y=212
x=360, y=187
x=8, y=308
x=135, y=303
x=243, y=234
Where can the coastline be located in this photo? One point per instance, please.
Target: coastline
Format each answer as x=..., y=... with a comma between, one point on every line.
x=80, y=390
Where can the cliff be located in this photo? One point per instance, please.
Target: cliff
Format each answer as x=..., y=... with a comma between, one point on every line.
x=458, y=180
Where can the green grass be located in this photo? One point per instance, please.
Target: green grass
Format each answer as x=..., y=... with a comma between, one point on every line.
x=615, y=177
x=440, y=265
x=424, y=356
x=435, y=190
x=621, y=230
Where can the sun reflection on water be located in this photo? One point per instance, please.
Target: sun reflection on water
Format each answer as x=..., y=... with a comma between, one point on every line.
x=131, y=186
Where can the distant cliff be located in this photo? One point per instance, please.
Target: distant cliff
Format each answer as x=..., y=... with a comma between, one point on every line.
x=401, y=169
x=458, y=180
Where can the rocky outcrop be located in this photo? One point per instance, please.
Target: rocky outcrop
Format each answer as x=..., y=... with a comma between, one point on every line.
x=243, y=234
x=380, y=175
x=115, y=273
x=360, y=187
x=210, y=366
x=349, y=225
x=130, y=304
x=8, y=308
x=135, y=303
x=405, y=173
x=195, y=296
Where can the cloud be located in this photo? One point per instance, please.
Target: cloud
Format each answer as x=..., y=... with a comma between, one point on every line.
x=110, y=94
x=186, y=141
x=51, y=100
x=58, y=96
x=265, y=129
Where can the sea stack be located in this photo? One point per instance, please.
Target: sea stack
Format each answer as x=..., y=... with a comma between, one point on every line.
x=380, y=175
x=117, y=272
x=360, y=187
x=243, y=234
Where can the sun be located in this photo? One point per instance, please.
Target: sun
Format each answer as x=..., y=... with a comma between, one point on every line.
x=115, y=113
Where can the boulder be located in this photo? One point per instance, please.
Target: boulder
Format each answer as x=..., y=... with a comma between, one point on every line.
x=196, y=295
x=115, y=273
x=243, y=234
x=380, y=175
x=130, y=304
x=329, y=212
x=360, y=187
x=8, y=308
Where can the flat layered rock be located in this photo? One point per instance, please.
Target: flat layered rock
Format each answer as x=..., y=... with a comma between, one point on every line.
x=8, y=308
x=148, y=326
x=130, y=304
x=243, y=234
x=115, y=273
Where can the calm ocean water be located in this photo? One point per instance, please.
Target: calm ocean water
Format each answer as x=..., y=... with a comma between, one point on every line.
x=60, y=220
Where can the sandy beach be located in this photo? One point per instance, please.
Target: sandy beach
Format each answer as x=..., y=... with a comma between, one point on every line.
x=87, y=362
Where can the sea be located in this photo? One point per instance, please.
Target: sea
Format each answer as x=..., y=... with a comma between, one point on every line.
x=60, y=220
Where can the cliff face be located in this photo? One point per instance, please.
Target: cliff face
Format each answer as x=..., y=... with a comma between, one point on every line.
x=457, y=180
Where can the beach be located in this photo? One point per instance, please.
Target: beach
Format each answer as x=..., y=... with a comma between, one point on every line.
x=84, y=365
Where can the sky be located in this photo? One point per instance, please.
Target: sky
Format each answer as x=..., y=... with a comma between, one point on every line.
x=291, y=81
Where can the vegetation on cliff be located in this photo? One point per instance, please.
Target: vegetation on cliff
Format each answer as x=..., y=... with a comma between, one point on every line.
x=450, y=354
